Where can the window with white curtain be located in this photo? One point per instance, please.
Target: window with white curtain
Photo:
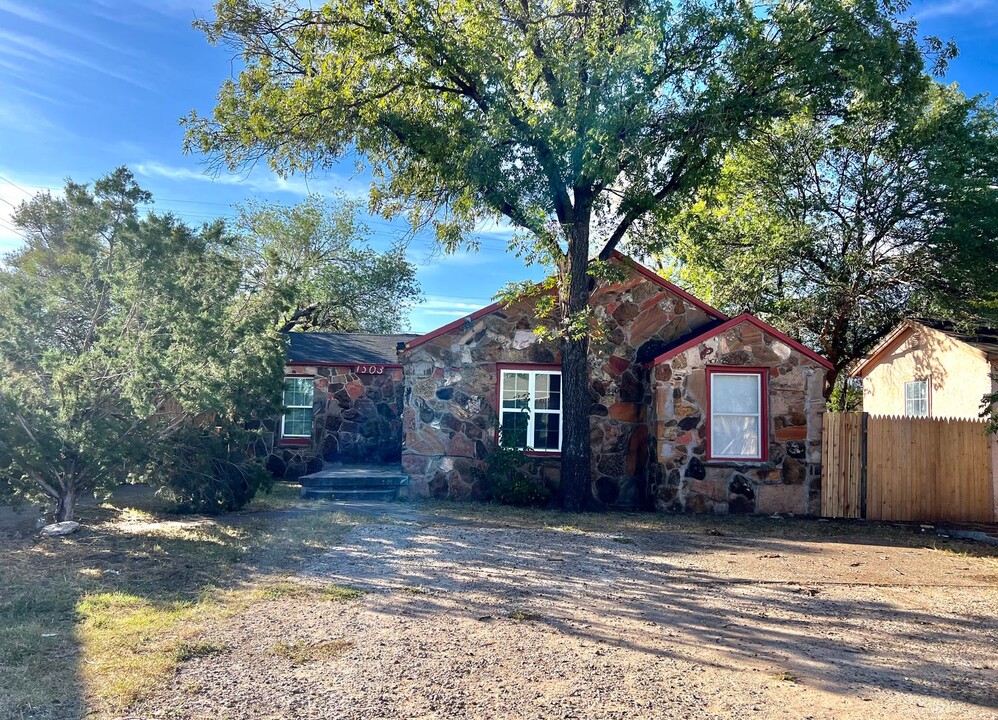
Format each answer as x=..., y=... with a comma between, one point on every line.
x=737, y=418
x=297, y=419
x=916, y=398
x=530, y=410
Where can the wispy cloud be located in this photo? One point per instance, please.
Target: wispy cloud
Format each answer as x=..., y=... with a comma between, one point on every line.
x=954, y=8
x=442, y=303
x=265, y=181
x=25, y=119
x=30, y=48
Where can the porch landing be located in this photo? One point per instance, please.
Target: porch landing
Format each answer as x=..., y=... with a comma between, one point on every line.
x=355, y=482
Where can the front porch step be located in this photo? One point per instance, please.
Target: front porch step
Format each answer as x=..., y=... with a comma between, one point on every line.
x=355, y=482
x=382, y=495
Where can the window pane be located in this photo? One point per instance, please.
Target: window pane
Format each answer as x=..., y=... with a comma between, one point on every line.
x=546, y=431
x=916, y=398
x=298, y=422
x=548, y=389
x=734, y=436
x=297, y=392
x=513, y=430
x=738, y=394
x=515, y=389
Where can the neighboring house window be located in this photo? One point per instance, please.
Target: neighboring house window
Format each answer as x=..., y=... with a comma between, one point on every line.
x=530, y=410
x=737, y=424
x=297, y=420
x=916, y=398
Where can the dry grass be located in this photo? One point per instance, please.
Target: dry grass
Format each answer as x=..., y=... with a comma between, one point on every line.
x=620, y=524
x=96, y=621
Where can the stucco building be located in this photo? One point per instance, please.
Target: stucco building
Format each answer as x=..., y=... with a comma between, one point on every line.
x=930, y=368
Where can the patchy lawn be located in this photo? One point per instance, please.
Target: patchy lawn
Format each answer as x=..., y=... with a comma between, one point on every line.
x=102, y=618
x=470, y=611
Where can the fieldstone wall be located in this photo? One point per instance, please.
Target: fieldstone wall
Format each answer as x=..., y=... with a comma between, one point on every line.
x=680, y=476
x=450, y=405
x=356, y=418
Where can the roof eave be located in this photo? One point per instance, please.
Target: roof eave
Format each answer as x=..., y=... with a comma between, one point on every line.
x=734, y=322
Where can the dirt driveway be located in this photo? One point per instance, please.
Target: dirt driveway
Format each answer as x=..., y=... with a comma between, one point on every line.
x=464, y=619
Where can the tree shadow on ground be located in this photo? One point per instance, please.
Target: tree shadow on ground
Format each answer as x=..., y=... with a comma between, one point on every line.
x=699, y=598
x=92, y=621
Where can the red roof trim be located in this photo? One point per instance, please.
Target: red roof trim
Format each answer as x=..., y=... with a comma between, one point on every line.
x=319, y=363
x=733, y=322
x=633, y=264
x=443, y=330
x=671, y=287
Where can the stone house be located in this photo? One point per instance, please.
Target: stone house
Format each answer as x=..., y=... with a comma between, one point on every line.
x=342, y=402
x=690, y=410
x=930, y=368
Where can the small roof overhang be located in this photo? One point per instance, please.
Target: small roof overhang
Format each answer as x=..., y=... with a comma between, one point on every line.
x=710, y=331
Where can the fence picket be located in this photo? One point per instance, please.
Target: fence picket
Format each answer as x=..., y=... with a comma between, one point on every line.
x=916, y=468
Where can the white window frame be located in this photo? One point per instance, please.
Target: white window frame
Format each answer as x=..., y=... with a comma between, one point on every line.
x=284, y=416
x=925, y=398
x=531, y=410
x=759, y=415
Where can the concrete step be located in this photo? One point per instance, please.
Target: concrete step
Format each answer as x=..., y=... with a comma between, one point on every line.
x=354, y=481
x=357, y=482
x=376, y=494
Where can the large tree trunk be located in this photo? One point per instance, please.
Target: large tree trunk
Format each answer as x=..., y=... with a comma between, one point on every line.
x=576, y=453
x=66, y=503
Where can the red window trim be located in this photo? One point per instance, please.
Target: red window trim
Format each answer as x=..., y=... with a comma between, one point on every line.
x=763, y=373
x=294, y=441
x=498, y=400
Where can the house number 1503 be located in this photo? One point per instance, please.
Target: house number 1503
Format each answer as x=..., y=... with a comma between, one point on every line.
x=370, y=369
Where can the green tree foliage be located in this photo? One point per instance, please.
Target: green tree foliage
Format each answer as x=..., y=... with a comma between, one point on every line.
x=836, y=229
x=312, y=262
x=571, y=119
x=127, y=352
x=989, y=409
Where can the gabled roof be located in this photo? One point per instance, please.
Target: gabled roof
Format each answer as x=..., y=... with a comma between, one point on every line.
x=634, y=265
x=711, y=329
x=983, y=339
x=344, y=348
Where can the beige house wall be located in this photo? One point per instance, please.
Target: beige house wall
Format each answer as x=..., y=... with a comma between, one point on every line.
x=958, y=374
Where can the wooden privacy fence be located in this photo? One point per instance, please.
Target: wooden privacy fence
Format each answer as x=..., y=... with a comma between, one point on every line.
x=905, y=468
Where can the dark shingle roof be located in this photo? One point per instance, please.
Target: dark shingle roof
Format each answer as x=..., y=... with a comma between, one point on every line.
x=344, y=347
x=984, y=339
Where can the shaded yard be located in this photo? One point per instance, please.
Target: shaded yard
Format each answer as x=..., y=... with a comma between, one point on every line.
x=453, y=611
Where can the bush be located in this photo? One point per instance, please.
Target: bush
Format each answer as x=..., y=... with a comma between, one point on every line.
x=507, y=483
x=208, y=471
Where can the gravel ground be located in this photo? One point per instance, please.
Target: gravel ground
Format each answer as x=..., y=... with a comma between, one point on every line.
x=466, y=621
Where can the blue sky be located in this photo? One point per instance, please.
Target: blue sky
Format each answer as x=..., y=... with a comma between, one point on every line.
x=86, y=86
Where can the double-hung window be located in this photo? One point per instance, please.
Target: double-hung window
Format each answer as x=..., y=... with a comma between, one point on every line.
x=530, y=409
x=297, y=420
x=916, y=398
x=737, y=423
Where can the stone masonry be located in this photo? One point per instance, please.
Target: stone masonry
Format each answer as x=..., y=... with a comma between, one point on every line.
x=356, y=419
x=450, y=404
x=680, y=475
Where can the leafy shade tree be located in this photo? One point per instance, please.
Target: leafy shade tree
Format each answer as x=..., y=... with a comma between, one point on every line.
x=989, y=409
x=837, y=229
x=571, y=119
x=313, y=263
x=127, y=352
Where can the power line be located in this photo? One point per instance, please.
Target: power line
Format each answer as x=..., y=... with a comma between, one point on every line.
x=11, y=182
x=10, y=228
